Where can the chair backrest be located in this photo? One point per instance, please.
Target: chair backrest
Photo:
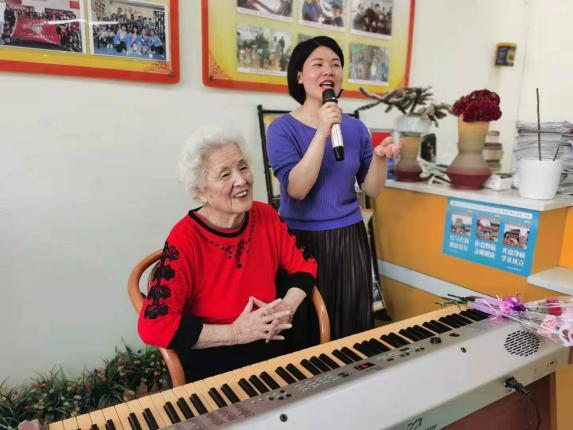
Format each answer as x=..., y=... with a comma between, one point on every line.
x=170, y=356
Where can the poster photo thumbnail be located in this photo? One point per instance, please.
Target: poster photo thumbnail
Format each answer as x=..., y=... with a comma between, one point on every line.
x=262, y=50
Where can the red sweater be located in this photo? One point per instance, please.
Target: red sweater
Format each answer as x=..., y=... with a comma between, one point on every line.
x=207, y=275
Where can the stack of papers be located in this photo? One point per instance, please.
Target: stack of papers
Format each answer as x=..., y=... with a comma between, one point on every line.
x=554, y=135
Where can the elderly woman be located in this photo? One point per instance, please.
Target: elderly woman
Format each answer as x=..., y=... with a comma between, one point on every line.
x=213, y=297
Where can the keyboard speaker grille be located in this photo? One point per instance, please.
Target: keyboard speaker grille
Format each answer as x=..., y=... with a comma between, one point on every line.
x=522, y=343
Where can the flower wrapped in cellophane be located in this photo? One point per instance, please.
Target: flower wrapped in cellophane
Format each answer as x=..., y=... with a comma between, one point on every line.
x=552, y=318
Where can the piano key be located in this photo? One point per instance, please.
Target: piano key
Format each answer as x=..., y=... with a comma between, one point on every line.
x=399, y=339
x=342, y=356
x=94, y=427
x=198, y=403
x=57, y=426
x=150, y=419
x=391, y=341
x=317, y=362
x=247, y=388
x=422, y=331
x=109, y=425
x=378, y=345
x=484, y=314
x=269, y=380
x=98, y=418
x=283, y=373
x=310, y=367
x=296, y=372
x=154, y=403
x=70, y=424
x=110, y=414
x=449, y=322
x=460, y=319
x=291, y=362
x=169, y=397
x=406, y=332
x=184, y=408
x=202, y=388
x=444, y=327
x=471, y=315
x=329, y=361
x=85, y=422
x=183, y=392
x=351, y=354
x=171, y=413
x=467, y=320
x=233, y=398
x=137, y=418
x=258, y=384
x=435, y=328
x=134, y=422
x=194, y=394
x=453, y=320
x=364, y=348
x=217, y=398
x=232, y=380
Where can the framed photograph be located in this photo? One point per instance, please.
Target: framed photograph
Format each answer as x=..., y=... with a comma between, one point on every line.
x=247, y=43
x=120, y=39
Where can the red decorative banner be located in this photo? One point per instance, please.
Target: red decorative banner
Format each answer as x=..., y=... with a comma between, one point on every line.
x=35, y=30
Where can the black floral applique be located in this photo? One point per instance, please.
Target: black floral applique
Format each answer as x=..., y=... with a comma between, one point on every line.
x=235, y=251
x=159, y=291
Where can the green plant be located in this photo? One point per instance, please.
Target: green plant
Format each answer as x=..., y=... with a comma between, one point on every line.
x=54, y=396
x=410, y=100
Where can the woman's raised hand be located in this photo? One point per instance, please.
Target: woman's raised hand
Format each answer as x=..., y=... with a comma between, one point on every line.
x=263, y=323
x=387, y=148
x=328, y=115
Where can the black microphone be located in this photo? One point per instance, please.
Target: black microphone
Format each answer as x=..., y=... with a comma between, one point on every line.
x=329, y=95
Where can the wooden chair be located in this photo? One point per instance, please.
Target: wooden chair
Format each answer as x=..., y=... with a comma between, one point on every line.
x=170, y=356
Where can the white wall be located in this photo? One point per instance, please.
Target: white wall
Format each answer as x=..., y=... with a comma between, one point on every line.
x=87, y=182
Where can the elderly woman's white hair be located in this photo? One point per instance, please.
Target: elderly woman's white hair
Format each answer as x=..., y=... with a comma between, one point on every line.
x=192, y=164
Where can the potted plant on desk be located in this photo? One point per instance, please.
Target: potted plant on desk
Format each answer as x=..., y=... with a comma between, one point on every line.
x=418, y=115
x=469, y=170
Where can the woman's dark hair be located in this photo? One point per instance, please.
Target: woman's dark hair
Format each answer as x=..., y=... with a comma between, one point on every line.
x=299, y=55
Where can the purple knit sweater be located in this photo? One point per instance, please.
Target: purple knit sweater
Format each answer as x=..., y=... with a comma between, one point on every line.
x=331, y=203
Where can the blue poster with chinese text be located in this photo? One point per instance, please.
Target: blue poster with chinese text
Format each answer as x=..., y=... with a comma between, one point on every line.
x=497, y=236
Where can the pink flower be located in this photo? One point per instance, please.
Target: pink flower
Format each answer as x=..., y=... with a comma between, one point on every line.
x=553, y=306
x=549, y=325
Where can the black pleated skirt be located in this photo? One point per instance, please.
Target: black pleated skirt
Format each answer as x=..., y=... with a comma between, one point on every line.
x=344, y=280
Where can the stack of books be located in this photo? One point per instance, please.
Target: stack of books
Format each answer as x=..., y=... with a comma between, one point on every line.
x=554, y=135
x=492, y=151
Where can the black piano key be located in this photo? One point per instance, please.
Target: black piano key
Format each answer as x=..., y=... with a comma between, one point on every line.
x=233, y=398
x=185, y=409
x=295, y=372
x=452, y=320
x=94, y=427
x=259, y=385
x=484, y=314
x=409, y=334
x=171, y=413
x=271, y=383
x=150, y=419
x=390, y=341
x=436, y=329
x=287, y=377
x=198, y=404
x=219, y=401
x=133, y=422
x=318, y=363
x=247, y=388
x=347, y=351
x=449, y=322
x=460, y=319
x=465, y=319
x=364, y=348
x=424, y=332
x=444, y=327
x=379, y=346
x=399, y=339
x=329, y=361
x=342, y=357
x=471, y=316
x=109, y=425
x=310, y=367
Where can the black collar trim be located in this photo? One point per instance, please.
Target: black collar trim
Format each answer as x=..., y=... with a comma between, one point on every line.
x=222, y=233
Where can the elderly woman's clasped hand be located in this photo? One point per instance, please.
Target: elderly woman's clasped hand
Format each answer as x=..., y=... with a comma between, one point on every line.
x=263, y=323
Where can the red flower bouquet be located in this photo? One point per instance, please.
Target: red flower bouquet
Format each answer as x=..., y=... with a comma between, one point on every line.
x=480, y=105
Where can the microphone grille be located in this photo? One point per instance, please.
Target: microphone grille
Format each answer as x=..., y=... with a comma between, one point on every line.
x=329, y=95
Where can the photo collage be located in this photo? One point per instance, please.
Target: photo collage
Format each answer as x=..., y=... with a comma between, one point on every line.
x=131, y=29
x=266, y=49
